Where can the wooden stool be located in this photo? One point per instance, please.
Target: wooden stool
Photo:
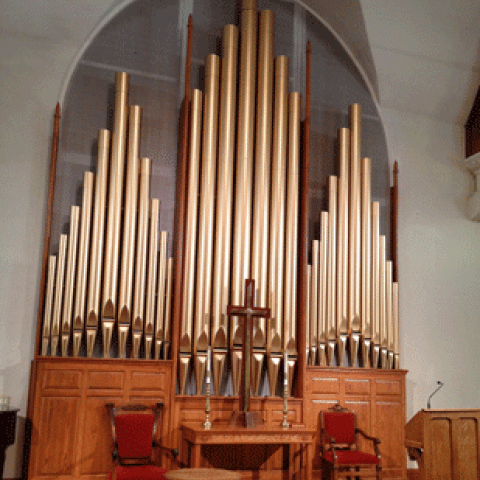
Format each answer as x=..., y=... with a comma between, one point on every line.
x=201, y=474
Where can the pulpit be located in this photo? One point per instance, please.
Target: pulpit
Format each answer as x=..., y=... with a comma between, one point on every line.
x=445, y=443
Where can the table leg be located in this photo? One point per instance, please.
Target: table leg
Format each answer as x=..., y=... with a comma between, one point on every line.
x=308, y=461
x=196, y=454
x=291, y=462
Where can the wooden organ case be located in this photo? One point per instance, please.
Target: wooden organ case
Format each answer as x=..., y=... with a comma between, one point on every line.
x=119, y=321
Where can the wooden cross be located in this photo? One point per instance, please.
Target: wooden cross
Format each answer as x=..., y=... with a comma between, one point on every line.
x=248, y=311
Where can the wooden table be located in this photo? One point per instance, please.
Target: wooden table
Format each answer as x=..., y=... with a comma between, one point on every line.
x=196, y=436
x=201, y=474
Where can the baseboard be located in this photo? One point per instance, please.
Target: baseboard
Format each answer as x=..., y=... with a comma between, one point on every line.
x=413, y=474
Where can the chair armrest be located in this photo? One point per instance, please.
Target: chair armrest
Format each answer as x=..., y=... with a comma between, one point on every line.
x=173, y=451
x=375, y=440
x=368, y=437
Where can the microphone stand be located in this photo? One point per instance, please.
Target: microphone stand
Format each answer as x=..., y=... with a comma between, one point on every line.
x=440, y=385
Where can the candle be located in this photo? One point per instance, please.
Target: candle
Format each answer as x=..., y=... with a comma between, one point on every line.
x=209, y=361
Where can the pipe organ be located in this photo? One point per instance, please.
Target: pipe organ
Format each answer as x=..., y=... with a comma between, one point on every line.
x=110, y=288
x=351, y=287
x=112, y=273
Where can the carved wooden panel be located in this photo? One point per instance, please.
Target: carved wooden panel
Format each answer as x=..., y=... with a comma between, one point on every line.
x=71, y=430
x=376, y=396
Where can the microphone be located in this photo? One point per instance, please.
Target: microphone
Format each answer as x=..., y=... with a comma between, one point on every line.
x=440, y=385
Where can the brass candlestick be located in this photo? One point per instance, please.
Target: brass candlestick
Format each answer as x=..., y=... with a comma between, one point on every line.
x=207, y=424
x=285, y=424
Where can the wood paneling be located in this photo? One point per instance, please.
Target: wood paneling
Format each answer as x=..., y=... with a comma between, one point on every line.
x=449, y=441
x=71, y=433
x=376, y=396
x=58, y=428
x=72, y=438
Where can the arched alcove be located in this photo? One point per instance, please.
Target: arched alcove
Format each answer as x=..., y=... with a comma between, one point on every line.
x=147, y=39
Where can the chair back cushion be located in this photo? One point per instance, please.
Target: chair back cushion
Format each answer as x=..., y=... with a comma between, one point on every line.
x=134, y=434
x=340, y=426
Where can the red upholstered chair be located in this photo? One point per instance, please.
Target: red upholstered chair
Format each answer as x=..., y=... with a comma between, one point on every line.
x=340, y=442
x=134, y=429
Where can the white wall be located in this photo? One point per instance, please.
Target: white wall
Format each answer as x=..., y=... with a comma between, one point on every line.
x=439, y=262
x=35, y=56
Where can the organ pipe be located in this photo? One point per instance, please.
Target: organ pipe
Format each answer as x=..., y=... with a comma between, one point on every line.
x=226, y=157
x=228, y=237
x=259, y=266
x=244, y=174
x=82, y=268
x=70, y=279
x=112, y=240
x=96, y=249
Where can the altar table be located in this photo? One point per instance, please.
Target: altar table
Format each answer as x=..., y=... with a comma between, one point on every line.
x=196, y=436
x=201, y=474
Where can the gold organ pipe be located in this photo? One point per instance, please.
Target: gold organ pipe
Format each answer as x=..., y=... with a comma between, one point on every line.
x=112, y=241
x=47, y=314
x=354, y=231
x=308, y=307
x=342, y=240
x=244, y=172
x=152, y=276
x=383, y=304
x=129, y=224
x=291, y=234
x=203, y=288
x=70, y=279
x=168, y=309
x=140, y=263
x=185, y=346
x=223, y=237
x=96, y=249
x=366, y=167
x=396, y=318
x=57, y=306
x=375, y=289
x=82, y=268
x=259, y=267
x=161, y=287
x=331, y=263
x=313, y=339
x=388, y=310
x=326, y=353
x=277, y=218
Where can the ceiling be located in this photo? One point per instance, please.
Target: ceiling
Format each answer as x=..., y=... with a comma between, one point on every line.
x=426, y=53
